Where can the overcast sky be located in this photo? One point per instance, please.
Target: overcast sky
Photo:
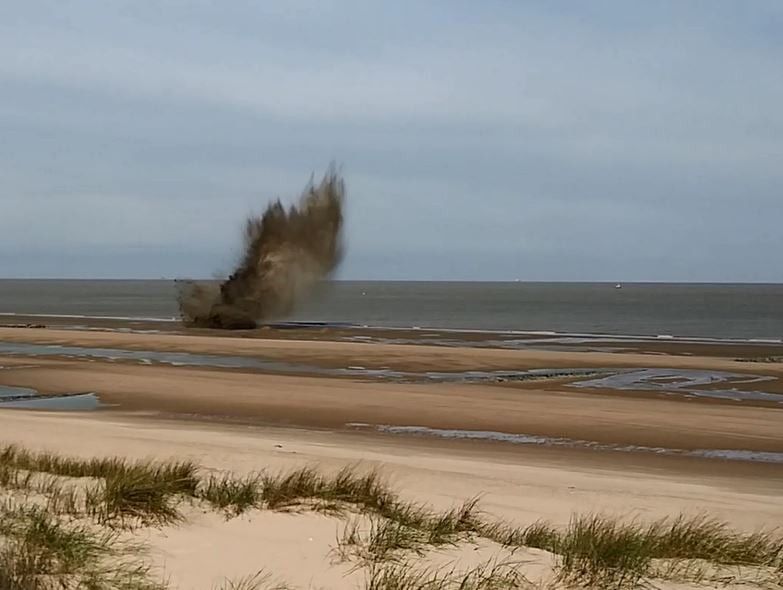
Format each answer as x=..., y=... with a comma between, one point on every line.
x=547, y=140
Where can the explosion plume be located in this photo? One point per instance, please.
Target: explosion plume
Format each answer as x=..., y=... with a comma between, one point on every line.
x=285, y=253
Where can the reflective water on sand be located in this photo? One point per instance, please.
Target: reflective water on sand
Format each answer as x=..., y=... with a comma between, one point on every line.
x=7, y=392
x=81, y=402
x=684, y=382
x=186, y=359
x=689, y=382
x=28, y=398
x=527, y=439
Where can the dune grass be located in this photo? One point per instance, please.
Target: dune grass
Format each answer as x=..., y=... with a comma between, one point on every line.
x=143, y=489
x=380, y=540
x=347, y=486
x=42, y=551
x=593, y=551
x=385, y=531
x=61, y=497
x=701, y=537
x=598, y=551
x=258, y=581
x=400, y=528
x=445, y=527
x=231, y=494
x=408, y=575
x=180, y=476
x=135, y=497
x=539, y=535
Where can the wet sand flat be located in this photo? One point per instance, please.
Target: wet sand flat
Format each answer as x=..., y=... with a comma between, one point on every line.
x=512, y=340
x=330, y=353
x=333, y=403
x=546, y=408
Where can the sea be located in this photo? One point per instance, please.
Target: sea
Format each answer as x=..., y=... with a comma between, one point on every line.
x=724, y=311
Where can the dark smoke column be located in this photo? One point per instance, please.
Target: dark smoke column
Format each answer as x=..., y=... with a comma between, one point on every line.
x=286, y=253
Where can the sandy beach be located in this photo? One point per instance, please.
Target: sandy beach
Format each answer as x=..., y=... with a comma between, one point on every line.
x=391, y=296
x=517, y=487
x=248, y=419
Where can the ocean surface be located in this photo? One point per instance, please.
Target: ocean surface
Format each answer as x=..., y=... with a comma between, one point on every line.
x=731, y=311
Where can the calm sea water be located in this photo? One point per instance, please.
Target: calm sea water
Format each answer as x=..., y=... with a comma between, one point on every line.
x=699, y=310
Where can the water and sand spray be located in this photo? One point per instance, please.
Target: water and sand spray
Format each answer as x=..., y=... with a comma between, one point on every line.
x=286, y=253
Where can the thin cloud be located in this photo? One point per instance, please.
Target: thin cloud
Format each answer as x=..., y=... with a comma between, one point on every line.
x=619, y=140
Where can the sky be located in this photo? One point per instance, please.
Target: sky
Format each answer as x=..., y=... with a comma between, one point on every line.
x=544, y=140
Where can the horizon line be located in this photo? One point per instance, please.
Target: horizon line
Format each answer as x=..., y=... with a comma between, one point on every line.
x=366, y=280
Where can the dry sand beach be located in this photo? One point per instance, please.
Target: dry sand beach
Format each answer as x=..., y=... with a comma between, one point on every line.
x=442, y=424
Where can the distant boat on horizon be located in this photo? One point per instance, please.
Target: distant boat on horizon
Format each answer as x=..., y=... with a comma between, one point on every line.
x=618, y=286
